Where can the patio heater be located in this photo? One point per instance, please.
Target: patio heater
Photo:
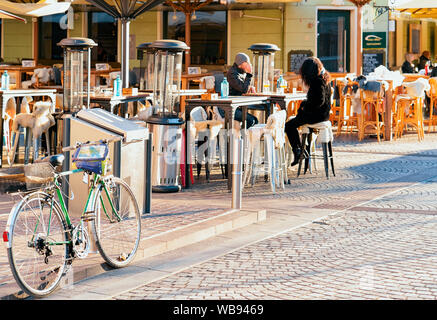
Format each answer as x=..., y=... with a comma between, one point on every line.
x=147, y=59
x=76, y=84
x=165, y=123
x=263, y=66
x=77, y=70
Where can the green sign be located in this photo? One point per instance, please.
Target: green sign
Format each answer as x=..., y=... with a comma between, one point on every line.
x=374, y=40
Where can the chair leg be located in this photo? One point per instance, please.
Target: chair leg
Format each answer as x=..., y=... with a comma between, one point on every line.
x=27, y=145
x=325, y=158
x=308, y=162
x=331, y=157
x=256, y=155
x=36, y=145
x=14, y=143
x=271, y=160
x=48, y=143
x=302, y=155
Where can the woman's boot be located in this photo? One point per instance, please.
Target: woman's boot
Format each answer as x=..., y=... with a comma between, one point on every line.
x=296, y=153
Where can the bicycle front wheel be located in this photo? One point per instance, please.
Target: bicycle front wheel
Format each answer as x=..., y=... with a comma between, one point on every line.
x=117, y=226
x=37, y=244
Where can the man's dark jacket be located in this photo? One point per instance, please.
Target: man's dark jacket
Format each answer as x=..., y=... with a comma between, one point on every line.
x=407, y=67
x=239, y=81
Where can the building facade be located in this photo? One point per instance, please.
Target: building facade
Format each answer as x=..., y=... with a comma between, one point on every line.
x=326, y=28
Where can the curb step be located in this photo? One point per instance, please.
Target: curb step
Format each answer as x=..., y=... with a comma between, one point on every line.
x=174, y=239
x=182, y=237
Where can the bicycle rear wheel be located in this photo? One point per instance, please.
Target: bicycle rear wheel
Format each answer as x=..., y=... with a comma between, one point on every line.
x=117, y=226
x=37, y=245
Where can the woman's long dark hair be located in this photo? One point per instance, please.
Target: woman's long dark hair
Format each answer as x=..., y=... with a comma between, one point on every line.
x=312, y=68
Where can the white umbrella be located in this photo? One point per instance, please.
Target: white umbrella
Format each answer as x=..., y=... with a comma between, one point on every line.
x=39, y=9
x=414, y=4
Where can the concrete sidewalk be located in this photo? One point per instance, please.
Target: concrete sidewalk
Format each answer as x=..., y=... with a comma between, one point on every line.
x=365, y=171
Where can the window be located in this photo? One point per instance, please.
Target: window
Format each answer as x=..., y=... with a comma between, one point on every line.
x=50, y=33
x=102, y=28
x=208, y=35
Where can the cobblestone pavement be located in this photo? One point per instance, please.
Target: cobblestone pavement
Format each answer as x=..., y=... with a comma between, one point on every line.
x=358, y=254
x=379, y=243
x=361, y=240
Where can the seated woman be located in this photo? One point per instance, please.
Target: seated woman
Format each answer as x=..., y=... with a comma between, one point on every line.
x=315, y=108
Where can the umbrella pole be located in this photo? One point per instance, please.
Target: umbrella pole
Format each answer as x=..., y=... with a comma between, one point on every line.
x=125, y=23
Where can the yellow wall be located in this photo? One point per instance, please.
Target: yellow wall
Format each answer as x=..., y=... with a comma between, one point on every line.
x=17, y=40
x=77, y=27
x=246, y=31
x=145, y=29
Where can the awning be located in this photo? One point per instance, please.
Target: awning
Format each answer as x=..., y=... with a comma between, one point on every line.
x=7, y=15
x=427, y=9
x=39, y=9
x=266, y=1
x=124, y=9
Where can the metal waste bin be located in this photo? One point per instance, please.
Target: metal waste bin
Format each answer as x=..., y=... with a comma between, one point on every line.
x=165, y=123
x=128, y=158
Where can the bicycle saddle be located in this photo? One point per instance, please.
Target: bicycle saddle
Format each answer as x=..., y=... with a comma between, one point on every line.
x=55, y=160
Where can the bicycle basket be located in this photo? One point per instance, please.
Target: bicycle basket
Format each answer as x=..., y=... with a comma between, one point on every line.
x=92, y=158
x=38, y=175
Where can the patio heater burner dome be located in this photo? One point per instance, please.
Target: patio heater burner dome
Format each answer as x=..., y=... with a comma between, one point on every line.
x=264, y=47
x=263, y=66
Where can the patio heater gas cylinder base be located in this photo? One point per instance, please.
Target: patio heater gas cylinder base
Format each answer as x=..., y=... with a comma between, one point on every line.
x=166, y=189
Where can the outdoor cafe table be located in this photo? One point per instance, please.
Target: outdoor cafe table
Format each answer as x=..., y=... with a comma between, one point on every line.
x=229, y=106
x=17, y=71
x=184, y=93
x=109, y=102
x=281, y=99
x=5, y=95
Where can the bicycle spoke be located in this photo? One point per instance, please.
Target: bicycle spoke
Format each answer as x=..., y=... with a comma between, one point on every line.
x=37, y=265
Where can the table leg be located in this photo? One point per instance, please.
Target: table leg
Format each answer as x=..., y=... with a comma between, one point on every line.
x=18, y=79
x=229, y=118
x=187, y=148
x=388, y=114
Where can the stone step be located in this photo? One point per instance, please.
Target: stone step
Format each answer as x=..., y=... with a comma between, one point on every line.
x=167, y=241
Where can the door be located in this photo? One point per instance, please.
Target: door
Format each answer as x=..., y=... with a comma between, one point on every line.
x=333, y=39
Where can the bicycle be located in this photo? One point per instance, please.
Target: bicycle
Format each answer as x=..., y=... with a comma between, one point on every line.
x=41, y=240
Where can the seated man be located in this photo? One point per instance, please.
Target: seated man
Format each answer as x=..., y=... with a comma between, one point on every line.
x=239, y=77
x=408, y=66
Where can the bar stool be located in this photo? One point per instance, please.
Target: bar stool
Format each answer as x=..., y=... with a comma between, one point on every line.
x=321, y=132
x=205, y=131
x=272, y=135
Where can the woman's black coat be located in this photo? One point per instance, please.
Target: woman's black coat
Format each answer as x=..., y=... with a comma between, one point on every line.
x=317, y=106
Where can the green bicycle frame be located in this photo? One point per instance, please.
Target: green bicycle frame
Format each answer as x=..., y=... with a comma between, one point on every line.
x=95, y=190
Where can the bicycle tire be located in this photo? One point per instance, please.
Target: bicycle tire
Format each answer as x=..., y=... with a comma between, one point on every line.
x=117, y=241
x=36, y=273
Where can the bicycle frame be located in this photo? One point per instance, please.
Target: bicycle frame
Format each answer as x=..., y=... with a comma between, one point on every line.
x=98, y=184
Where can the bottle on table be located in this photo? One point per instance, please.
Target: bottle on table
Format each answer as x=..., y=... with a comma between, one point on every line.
x=5, y=80
x=224, y=92
x=117, y=87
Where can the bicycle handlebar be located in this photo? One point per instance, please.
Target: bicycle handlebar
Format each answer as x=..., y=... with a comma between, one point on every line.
x=106, y=141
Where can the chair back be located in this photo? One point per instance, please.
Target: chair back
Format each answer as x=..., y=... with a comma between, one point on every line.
x=276, y=125
x=371, y=104
x=433, y=85
x=198, y=114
